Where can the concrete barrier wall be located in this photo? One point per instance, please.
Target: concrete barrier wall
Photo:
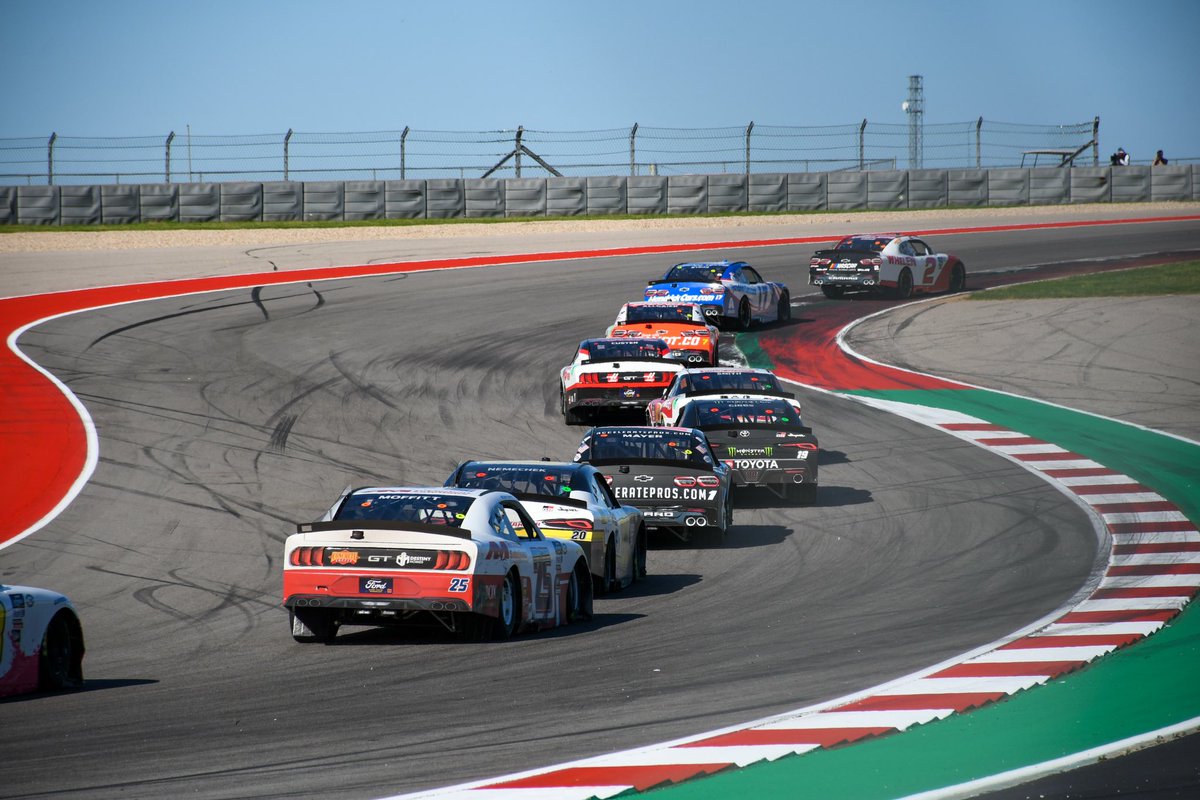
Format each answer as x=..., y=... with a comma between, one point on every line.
x=279, y=201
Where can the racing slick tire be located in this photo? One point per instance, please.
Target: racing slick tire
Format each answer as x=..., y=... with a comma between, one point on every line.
x=833, y=292
x=313, y=624
x=60, y=661
x=783, y=312
x=608, y=581
x=904, y=285
x=744, y=317
x=958, y=278
x=802, y=493
x=570, y=415
x=639, y=555
x=501, y=627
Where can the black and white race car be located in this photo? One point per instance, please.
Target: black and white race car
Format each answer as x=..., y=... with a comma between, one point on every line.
x=614, y=374
x=668, y=473
x=762, y=440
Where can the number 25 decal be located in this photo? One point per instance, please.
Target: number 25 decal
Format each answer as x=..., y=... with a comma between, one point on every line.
x=459, y=584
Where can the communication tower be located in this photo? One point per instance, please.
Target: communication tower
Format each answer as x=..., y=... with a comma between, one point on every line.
x=914, y=106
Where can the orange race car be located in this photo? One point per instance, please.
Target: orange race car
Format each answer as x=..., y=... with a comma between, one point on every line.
x=681, y=325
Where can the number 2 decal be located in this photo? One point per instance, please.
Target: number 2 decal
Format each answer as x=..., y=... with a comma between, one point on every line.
x=459, y=584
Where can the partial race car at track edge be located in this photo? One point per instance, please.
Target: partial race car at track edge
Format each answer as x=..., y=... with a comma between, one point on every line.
x=41, y=641
x=730, y=293
x=897, y=264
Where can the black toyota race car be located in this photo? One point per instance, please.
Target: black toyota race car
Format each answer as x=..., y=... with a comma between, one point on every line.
x=762, y=440
x=668, y=473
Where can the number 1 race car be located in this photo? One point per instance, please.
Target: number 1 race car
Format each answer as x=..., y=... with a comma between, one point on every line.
x=472, y=560
x=680, y=325
x=731, y=293
x=615, y=374
x=892, y=262
x=570, y=501
x=41, y=641
x=712, y=382
x=669, y=473
x=762, y=440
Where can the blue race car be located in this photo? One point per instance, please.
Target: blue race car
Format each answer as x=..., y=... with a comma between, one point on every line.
x=731, y=293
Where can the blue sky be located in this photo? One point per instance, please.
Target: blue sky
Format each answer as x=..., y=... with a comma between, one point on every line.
x=134, y=67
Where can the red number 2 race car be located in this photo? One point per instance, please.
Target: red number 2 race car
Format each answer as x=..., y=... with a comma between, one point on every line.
x=893, y=262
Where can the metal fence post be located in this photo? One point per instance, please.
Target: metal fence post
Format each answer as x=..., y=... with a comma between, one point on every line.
x=1096, y=142
x=286, y=143
x=403, y=138
x=632, y=156
x=979, y=144
x=170, y=138
x=517, y=149
x=749, y=128
x=50, y=159
x=862, y=145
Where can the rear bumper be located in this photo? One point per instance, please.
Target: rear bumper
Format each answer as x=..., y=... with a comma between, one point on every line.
x=850, y=280
x=614, y=396
x=679, y=517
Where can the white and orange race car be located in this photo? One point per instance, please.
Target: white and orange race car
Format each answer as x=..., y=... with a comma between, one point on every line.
x=614, y=374
x=41, y=641
x=471, y=560
x=681, y=325
x=896, y=263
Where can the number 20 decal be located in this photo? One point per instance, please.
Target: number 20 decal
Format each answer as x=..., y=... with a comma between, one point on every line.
x=459, y=584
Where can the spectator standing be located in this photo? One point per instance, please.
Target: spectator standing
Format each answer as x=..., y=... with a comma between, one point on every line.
x=1120, y=158
x=1160, y=159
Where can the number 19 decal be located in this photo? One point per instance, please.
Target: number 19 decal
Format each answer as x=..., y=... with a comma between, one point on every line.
x=459, y=584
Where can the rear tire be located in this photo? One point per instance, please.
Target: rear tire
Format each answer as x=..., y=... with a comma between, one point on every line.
x=744, y=318
x=608, y=581
x=570, y=416
x=313, y=625
x=639, y=555
x=833, y=292
x=784, y=312
x=904, y=285
x=503, y=626
x=579, y=600
x=60, y=660
x=802, y=493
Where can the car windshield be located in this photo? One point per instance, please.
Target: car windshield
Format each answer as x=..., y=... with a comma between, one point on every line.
x=874, y=244
x=390, y=506
x=696, y=273
x=776, y=414
x=522, y=479
x=610, y=349
x=658, y=313
x=726, y=383
x=645, y=444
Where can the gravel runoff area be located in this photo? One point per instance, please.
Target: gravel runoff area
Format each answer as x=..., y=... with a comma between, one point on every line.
x=1130, y=358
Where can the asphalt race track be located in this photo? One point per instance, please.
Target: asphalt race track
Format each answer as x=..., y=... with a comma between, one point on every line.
x=225, y=418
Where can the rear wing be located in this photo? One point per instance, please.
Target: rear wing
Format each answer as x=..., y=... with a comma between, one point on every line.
x=360, y=525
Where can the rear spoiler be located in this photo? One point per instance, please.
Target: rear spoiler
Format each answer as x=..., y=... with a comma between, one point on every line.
x=658, y=281
x=725, y=394
x=645, y=462
x=360, y=525
x=547, y=498
x=742, y=426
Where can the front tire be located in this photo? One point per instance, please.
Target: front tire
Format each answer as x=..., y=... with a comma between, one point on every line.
x=60, y=661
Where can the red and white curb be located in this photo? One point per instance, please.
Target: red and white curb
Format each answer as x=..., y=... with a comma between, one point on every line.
x=1152, y=572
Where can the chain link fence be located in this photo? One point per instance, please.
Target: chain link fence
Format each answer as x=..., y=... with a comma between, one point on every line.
x=636, y=150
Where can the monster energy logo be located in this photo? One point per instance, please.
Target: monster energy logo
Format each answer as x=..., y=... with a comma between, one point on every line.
x=749, y=451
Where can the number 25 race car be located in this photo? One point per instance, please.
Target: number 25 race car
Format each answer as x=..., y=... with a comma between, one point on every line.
x=730, y=293
x=471, y=560
x=893, y=262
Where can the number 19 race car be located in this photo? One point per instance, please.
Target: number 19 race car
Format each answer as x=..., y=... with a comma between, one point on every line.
x=570, y=501
x=669, y=473
x=615, y=374
x=892, y=262
x=41, y=641
x=731, y=293
x=472, y=560
x=713, y=382
x=762, y=440
x=680, y=325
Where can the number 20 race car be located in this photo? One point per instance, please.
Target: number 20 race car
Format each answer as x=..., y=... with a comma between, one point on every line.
x=570, y=501
x=41, y=641
x=893, y=262
x=731, y=293
x=472, y=560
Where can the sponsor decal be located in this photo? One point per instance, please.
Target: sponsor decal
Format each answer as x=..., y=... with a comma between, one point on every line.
x=750, y=451
x=343, y=558
x=375, y=585
x=759, y=463
x=663, y=493
x=744, y=434
x=629, y=393
x=643, y=478
x=404, y=559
